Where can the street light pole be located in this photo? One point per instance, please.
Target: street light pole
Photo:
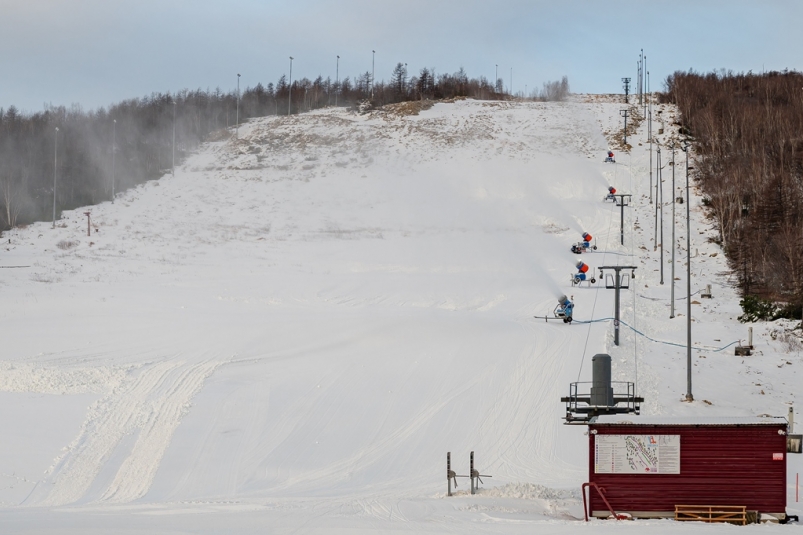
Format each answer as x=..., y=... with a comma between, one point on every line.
x=237, y=127
x=373, y=65
x=496, y=80
x=689, y=396
x=114, y=150
x=290, y=87
x=649, y=131
x=337, y=80
x=174, y=137
x=661, y=207
x=55, y=169
x=672, y=291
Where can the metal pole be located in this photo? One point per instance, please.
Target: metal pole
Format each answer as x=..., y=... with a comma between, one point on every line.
x=471, y=472
x=672, y=291
x=449, y=473
x=373, y=64
x=174, y=136
x=657, y=179
x=511, y=82
x=237, y=128
x=496, y=80
x=661, y=207
x=617, y=289
x=689, y=396
x=624, y=114
x=649, y=133
x=55, y=169
x=640, y=77
x=622, y=223
x=290, y=97
x=114, y=150
x=646, y=90
x=616, y=316
x=337, y=80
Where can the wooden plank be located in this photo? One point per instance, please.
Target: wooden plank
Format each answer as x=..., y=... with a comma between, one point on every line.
x=712, y=513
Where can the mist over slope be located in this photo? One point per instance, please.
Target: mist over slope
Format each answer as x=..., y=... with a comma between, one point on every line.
x=304, y=320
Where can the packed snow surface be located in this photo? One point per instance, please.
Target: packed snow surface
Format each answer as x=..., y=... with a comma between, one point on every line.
x=291, y=332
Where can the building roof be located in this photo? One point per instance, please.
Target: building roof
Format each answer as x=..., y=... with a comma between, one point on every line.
x=615, y=419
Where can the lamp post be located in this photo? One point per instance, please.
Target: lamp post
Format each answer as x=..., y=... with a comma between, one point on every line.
x=496, y=79
x=672, y=291
x=649, y=132
x=661, y=207
x=337, y=79
x=373, y=64
x=290, y=87
x=689, y=397
x=174, y=136
x=646, y=91
x=114, y=150
x=55, y=169
x=237, y=127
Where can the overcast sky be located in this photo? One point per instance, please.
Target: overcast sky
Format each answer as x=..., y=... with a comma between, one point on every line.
x=96, y=52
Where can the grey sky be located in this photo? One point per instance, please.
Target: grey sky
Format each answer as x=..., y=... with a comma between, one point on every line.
x=96, y=52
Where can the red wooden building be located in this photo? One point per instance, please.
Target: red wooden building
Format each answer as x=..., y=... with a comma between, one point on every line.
x=646, y=466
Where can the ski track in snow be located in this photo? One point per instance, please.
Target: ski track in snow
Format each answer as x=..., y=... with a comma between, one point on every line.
x=151, y=405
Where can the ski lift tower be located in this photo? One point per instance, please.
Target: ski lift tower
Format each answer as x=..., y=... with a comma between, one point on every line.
x=624, y=200
x=616, y=282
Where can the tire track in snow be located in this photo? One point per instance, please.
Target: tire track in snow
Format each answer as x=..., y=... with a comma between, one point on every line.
x=149, y=405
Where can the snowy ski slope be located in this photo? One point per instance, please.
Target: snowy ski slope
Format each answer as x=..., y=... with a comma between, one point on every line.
x=291, y=333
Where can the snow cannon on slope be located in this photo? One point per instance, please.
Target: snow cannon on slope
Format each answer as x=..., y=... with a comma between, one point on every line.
x=611, y=196
x=582, y=274
x=563, y=311
x=585, y=245
x=609, y=158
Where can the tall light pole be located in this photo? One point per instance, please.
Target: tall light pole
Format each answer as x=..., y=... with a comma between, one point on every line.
x=496, y=79
x=373, y=64
x=672, y=291
x=174, y=137
x=646, y=90
x=661, y=207
x=290, y=87
x=689, y=396
x=649, y=132
x=237, y=127
x=114, y=150
x=55, y=169
x=337, y=80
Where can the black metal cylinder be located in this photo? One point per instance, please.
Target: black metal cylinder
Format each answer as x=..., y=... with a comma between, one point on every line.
x=601, y=390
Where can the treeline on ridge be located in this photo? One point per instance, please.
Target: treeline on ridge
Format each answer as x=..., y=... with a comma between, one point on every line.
x=748, y=133
x=132, y=141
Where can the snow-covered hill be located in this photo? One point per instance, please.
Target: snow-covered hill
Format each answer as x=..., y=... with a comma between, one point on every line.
x=292, y=332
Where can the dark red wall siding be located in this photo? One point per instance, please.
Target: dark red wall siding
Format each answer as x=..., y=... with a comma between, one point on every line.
x=719, y=465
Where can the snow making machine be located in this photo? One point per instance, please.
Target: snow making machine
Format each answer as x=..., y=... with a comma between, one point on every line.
x=582, y=275
x=563, y=311
x=588, y=244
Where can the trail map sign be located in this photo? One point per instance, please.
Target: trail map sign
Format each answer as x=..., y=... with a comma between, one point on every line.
x=637, y=454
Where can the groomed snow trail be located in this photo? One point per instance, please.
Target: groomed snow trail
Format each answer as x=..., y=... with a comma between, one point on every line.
x=295, y=329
